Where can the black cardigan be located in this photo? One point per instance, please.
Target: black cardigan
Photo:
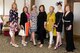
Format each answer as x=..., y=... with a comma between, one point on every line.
x=69, y=17
x=42, y=17
x=23, y=19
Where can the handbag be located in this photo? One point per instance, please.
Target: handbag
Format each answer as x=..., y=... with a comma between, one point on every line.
x=22, y=32
x=27, y=27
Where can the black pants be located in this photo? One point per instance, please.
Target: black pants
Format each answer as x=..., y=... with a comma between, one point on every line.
x=69, y=39
x=41, y=35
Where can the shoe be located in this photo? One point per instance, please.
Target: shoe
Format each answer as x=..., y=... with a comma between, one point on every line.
x=35, y=44
x=30, y=40
x=10, y=43
x=39, y=43
x=49, y=46
x=60, y=45
x=55, y=47
x=41, y=46
x=24, y=43
x=15, y=45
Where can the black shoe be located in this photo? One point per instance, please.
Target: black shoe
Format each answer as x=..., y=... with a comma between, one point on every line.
x=35, y=45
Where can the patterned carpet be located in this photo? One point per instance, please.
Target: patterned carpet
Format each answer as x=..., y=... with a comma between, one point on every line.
x=5, y=47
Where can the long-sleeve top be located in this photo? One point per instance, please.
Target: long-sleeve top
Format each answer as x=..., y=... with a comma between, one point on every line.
x=59, y=23
x=23, y=19
x=68, y=19
x=50, y=22
x=42, y=17
x=59, y=16
x=13, y=18
x=13, y=15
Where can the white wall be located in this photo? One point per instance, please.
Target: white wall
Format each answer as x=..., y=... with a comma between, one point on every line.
x=20, y=5
x=28, y=2
x=48, y=3
x=77, y=18
x=1, y=7
x=8, y=4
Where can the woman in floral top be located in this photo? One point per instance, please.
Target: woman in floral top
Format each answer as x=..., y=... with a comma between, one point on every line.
x=33, y=22
x=13, y=19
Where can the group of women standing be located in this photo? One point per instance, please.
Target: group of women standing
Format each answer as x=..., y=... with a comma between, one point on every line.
x=42, y=23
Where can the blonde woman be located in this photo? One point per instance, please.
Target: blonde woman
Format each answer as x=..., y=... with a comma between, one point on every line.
x=50, y=24
x=13, y=19
x=33, y=22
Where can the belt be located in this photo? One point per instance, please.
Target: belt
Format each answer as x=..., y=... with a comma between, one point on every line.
x=67, y=21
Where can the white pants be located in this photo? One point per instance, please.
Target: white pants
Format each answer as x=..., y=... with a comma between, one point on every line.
x=51, y=38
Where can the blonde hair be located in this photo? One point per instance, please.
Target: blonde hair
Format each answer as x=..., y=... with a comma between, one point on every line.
x=15, y=5
x=34, y=6
x=52, y=8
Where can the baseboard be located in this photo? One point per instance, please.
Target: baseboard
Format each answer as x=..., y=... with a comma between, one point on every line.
x=77, y=37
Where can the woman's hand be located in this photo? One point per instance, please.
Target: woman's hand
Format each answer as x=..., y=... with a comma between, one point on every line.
x=55, y=26
x=22, y=27
x=30, y=23
x=18, y=27
x=45, y=25
x=69, y=28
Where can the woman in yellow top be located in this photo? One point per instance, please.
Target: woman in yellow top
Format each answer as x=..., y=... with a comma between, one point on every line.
x=50, y=24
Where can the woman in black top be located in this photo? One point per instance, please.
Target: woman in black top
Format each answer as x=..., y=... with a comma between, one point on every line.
x=59, y=25
x=23, y=20
x=41, y=22
x=68, y=27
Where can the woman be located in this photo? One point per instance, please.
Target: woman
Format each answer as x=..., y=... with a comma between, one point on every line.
x=24, y=18
x=68, y=27
x=59, y=25
x=33, y=24
x=13, y=19
x=50, y=24
x=41, y=24
x=1, y=24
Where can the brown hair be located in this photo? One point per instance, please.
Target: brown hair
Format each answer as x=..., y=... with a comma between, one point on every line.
x=42, y=6
x=16, y=6
x=26, y=8
x=66, y=6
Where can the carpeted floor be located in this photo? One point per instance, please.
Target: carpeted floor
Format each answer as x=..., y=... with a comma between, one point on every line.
x=5, y=47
